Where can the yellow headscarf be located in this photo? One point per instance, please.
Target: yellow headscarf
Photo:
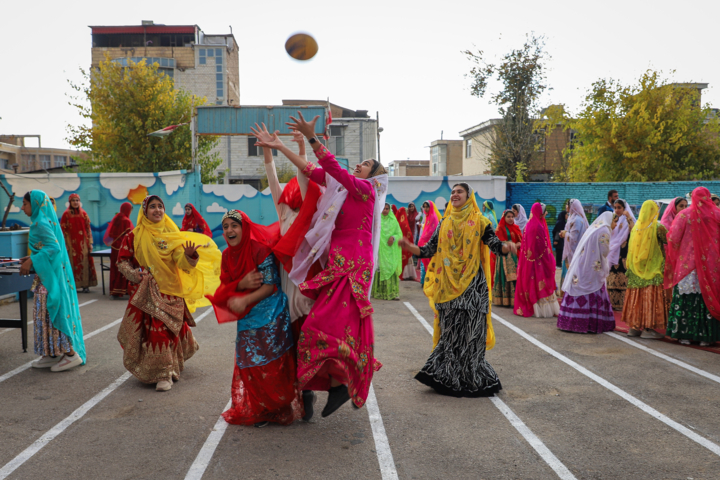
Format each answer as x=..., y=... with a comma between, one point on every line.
x=459, y=256
x=645, y=257
x=160, y=246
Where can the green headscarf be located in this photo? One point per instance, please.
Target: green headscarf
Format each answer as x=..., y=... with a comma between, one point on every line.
x=51, y=263
x=490, y=215
x=389, y=258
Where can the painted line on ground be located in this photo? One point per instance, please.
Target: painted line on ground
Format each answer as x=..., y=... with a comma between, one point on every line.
x=550, y=459
x=198, y=467
x=30, y=322
x=38, y=444
x=672, y=360
x=713, y=447
x=382, y=444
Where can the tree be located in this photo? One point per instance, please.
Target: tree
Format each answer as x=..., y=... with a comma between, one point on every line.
x=123, y=105
x=285, y=172
x=513, y=141
x=650, y=131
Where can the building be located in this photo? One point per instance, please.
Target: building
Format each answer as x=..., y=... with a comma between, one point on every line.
x=446, y=158
x=476, y=147
x=16, y=157
x=409, y=168
x=206, y=65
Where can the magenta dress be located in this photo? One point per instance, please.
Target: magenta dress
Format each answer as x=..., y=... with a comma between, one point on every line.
x=337, y=338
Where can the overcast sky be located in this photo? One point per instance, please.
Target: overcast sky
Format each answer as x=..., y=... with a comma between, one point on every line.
x=399, y=58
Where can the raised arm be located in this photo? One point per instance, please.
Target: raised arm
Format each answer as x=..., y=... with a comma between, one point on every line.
x=273, y=141
x=302, y=179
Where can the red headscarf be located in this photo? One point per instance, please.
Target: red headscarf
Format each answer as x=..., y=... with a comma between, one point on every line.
x=119, y=225
x=503, y=227
x=670, y=212
x=76, y=224
x=411, y=217
x=536, y=265
x=693, y=245
x=402, y=218
x=287, y=246
x=394, y=210
x=190, y=222
x=255, y=245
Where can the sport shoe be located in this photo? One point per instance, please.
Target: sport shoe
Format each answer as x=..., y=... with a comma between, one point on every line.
x=309, y=399
x=67, y=362
x=651, y=334
x=46, y=361
x=633, y=333
x=261, y=424
x=705, y=344
x=337, y=396
x=684, y=342
x=163, y=386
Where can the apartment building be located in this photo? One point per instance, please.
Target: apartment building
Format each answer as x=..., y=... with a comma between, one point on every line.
x=15, y=155
x=409, y=168
x=446, y=158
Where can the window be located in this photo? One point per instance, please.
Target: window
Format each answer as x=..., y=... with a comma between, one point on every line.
x=60, y=160
x=218, y=52
x=468, y=148
x=210, y=52
x=255, y=151
x=218, y=69
x=45, y=161
x=4, y=163
x=439, y=159
x=337, y=139
x=28, y=161
x=203, y=60
x=540, y=139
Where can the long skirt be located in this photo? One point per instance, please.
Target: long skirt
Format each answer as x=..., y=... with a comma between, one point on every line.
x=409, y=272
x=546, y=307
x=386, y=289
x=690, y=319
x=645, y=307
x=617, y=286
x=590, y=313
x=565, y=266
x=457, y=366
x=422, y=273
x=83, y=266
x=337, y=341
x=503, y=291
x=118, y=282
x=49, y=341
x=151, y=351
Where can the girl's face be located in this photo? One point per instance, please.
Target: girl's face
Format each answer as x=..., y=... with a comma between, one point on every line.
x=155, y=211
x=458, y=196
x=362, y=170
x=515, y=211
x=510, y=218
x=426, y=208
x=75, y=202
x=716, y=201
x=188, y=211
x=681, y=206
x=386, y=210
x=232, y=231
x=411, y=208
x=619, y=209
x=27, y=208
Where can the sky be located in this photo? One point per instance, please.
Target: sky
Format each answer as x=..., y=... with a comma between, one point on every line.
x=399, y=58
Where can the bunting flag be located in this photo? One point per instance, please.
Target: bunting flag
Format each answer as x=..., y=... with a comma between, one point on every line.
x=163, y=132
x=328, y=122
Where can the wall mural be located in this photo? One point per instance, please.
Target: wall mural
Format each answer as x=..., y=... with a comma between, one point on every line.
x=102, y=194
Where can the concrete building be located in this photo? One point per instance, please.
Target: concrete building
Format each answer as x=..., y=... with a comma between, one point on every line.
x=14, y=154
x=446, y=158
x=409, y=168
x=476, y=151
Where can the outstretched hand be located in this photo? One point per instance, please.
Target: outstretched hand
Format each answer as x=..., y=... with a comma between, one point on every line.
x=303, y=126
x=265, y=138
x=404, y=243
x=298, y=137
x=190, y=249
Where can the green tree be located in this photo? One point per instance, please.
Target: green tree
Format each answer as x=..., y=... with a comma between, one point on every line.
x=123, y=105
x=514, y=140
x=649, y=131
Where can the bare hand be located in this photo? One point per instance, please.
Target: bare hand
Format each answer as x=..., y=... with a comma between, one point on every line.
x=390, y=242
x=237, y=304
x=562, y=234
x=190, y=249
x=298, y=138
x=511, y=247
x=303, y=126
x=142, y=274
x=251, y=281
x=265, y=138
x=404, y=243
x=26, y=265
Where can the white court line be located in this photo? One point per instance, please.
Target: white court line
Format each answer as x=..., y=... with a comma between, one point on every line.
x=713, y=447
x=672, y=360
x=553, y=462
x=38, y=444
x=30, y=322
x=198, y=467
x=382, y=444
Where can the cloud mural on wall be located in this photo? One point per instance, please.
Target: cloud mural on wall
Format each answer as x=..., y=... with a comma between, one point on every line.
x=173, y=181
x=440, y=202
x=216, y=208
x=410, y=188
x=121, y=184
x=14, y=208
x=485, y=186
x=55, y=186
x=231, y=193
x=178, y=210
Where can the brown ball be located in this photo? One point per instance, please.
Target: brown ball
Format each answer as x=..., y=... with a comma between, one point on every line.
x=301, y=46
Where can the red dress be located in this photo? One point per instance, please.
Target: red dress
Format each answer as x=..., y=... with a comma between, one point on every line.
x=118, y=227
x=78, y=240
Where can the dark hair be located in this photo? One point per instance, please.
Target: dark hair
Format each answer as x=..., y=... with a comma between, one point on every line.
x=620, y=201
x=514, y=207
x=611, y=193
x=376, y=169
x=465, y=187
x=678, y=200
x=508, y=211
x=26, y=197
x=426, y=204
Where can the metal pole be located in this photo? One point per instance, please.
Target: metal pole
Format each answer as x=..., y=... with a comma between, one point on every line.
x=377, y=130
x=193, y=141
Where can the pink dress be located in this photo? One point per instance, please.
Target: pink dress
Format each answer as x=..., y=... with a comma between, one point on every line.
x=337, y=338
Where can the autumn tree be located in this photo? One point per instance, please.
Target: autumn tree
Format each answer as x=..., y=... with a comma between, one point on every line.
x=123, y=105
x=513, y=141
x=650, y=131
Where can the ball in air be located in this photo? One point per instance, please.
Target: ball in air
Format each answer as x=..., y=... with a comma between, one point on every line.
x=301, y=46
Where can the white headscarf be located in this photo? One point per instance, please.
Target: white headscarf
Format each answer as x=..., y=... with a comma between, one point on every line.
x=589, y=267
x=619, y=235
x=521, y=218
x=574, y=229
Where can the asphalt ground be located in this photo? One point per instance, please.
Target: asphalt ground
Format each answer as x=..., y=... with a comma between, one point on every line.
x=572, y=406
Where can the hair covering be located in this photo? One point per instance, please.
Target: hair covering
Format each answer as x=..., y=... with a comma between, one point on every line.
x=645, y=257
x=575, y=228
x=490, y=213
x=389, y=257
x=432, y=219
x=411, y=218
x=503, y=229
x=620, y=234
x=407, y=232
x=459, y=257
x=693, y=245
x=521, y=217
x=255, y=245
x=670, y=212
x=194, y=222
x=536, y=264
x=119, y=225
x=156, y=246
x=289, y=244
x=77, y=220
x=590, y=267
x=50, y=261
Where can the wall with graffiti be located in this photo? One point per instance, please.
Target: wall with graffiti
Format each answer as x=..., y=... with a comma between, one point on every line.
x=102, y=194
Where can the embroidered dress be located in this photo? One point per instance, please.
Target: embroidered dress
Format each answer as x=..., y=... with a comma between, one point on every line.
x=574, y=229
x=195, y=222
x=408, y=267
x=49, y=341
x=338, y=338
x=75, y=225
x=506, y=267
x=118, y=227
x=386, y=285
x=689, y=317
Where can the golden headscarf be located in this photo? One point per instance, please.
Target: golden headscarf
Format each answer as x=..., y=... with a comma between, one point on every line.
x=645, y=257
x=159, y=247
x=457, y=260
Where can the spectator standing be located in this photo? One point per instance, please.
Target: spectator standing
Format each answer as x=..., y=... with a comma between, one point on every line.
x=610, y=204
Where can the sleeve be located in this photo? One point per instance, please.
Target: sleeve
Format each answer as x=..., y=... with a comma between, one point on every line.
x=182, y=261
x=274, y=184
x=357, y=187
x=662, y=234
x=269, y=271
x=604, y=245
x=47, y=251
x=314, y=173
x=492, y=241
x=430, y=248
x=88, y=230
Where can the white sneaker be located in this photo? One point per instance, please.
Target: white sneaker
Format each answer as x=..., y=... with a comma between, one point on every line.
x=652, y=334
x=67, y=363
x=705, y=344
x=163, y=386
x=633, y=333
x=46, y=361
x=684, y=342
